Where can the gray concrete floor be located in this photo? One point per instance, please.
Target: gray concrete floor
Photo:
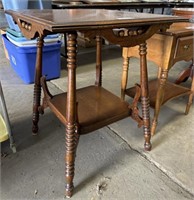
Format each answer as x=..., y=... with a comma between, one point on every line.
x=110, y=162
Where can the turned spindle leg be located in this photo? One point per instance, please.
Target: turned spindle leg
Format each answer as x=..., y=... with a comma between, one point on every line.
x=71, y=113
x=145, y=96
x=159, y=98
x=37, y=86
x=98, y=61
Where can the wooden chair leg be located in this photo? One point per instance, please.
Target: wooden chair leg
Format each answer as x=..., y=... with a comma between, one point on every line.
x=98, y=81
x=159, y=99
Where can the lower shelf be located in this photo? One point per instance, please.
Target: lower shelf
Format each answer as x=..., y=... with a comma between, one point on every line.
x=97, y=107
x=171, y=91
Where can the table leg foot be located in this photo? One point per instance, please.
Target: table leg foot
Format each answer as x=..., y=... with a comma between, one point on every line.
x=35, y=130
x=69, y=191
x=147, y=147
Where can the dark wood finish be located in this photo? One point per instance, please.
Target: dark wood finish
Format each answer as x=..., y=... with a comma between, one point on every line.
x=34, y=23
x=92, y=107
x=165, y=49
x=144, y=94
x=37, y=86
x=96, y=116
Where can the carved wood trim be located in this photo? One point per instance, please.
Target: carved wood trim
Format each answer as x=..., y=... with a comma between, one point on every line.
x=127, y=37
x=29, y=30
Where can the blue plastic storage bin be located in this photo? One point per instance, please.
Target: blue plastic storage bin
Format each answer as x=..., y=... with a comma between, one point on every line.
x=23, y=60
x=23, y=4
x=22, y=41
x=14, y=4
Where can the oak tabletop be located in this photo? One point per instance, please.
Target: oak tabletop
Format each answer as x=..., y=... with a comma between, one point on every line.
x=55, y=20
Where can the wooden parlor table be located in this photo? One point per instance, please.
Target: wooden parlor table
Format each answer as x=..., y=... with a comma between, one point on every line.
x=89, y=108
